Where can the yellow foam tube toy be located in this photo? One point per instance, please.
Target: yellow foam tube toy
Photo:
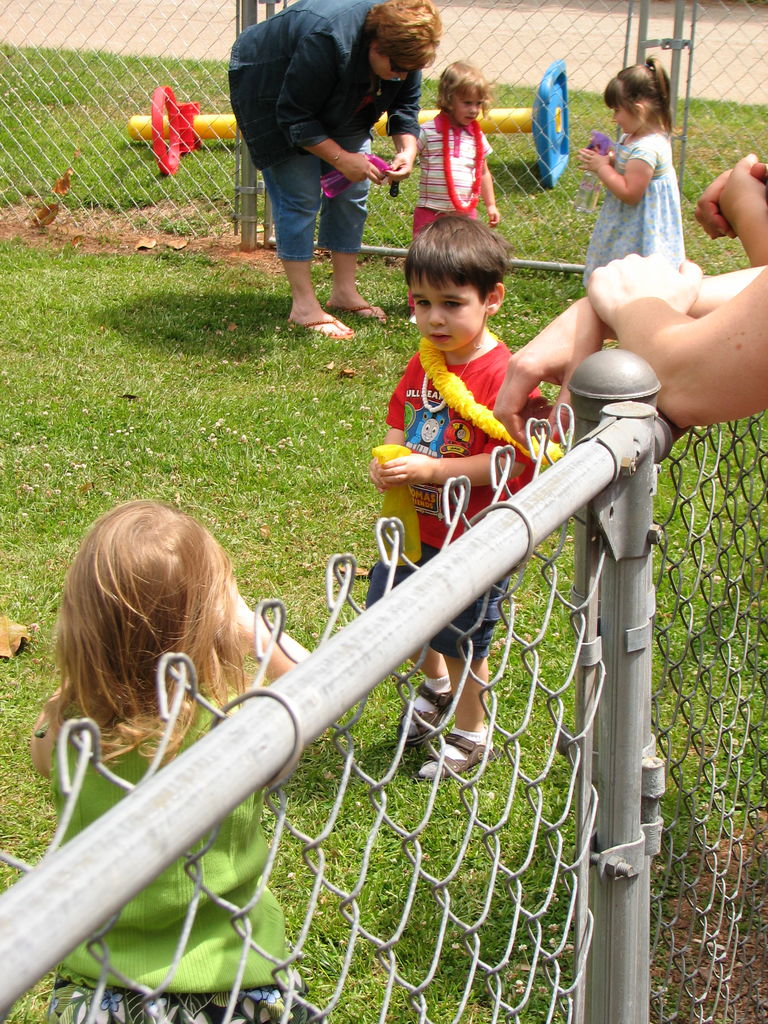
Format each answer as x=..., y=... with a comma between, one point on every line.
x=207, y=126
x=398, y=503
x=500, y=120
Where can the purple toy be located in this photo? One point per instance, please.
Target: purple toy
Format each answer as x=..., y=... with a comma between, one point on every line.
x=590, y=188
x=334, y=181
x=601, y=143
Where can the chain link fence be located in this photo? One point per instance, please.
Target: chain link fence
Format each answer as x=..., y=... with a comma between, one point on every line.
x=482, y=898
x=465, y=904
x=71, y=77
x=710, y=908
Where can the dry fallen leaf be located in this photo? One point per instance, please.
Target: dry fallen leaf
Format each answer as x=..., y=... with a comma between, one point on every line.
x=44, y=214
x=13, y=637
x=146, y=243
x=330, y=366
x=265, y=532
x=62, y=184
x=177, y=243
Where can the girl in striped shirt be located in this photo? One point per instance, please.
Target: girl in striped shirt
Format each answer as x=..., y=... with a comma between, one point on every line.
x=453, y=151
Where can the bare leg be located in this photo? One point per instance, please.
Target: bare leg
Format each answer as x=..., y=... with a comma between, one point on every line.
x=344, y=293
x=432, y=665
x=470, y=713
x=433, y=706
x=465, y=750
x=305, y=308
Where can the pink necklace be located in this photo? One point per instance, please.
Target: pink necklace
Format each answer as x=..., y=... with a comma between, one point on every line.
x=444, y=127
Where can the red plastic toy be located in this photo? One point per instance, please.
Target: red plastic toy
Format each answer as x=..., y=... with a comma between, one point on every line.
x=182, y=137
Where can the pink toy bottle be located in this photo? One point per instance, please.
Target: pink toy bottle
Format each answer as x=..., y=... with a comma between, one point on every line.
x=334, y=181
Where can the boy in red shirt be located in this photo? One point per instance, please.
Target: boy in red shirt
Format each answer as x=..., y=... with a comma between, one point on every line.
x=455, y=269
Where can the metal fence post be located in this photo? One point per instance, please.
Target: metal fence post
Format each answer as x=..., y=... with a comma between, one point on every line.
x=618, y=971
x=247, y=182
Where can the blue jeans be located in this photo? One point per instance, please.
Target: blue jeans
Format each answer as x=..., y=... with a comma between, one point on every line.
x=294, y=190
x=476, y=622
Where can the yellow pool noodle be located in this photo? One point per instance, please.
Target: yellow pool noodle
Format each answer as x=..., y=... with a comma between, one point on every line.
x=499, y=121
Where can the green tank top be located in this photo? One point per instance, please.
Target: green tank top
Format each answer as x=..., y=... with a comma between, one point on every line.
x=142, y=942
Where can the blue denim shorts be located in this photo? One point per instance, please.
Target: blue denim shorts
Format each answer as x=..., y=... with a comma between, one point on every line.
x=476, y=622
x=293, y=186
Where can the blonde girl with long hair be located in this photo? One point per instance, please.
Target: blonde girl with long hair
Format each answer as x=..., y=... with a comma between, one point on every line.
x=453, y=150
x=146, y=581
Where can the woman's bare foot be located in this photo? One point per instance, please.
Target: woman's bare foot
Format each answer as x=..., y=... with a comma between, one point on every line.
x=328, y=326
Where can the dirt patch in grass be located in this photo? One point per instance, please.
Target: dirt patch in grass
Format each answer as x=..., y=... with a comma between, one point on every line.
x=719, y=954
x=105, y=233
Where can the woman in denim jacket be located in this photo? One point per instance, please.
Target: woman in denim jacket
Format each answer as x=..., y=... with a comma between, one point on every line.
x=306, y=86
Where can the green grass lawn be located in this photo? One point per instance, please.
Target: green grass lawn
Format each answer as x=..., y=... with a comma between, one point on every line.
x=170, y=376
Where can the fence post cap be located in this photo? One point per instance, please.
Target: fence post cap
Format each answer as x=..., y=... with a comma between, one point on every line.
x=614, y=375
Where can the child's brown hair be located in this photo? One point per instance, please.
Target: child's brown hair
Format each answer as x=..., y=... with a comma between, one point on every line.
x=461, y=79
x=457, y=250
x=648, y=82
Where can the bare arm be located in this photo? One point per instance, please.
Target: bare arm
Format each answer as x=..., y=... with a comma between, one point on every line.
x=354, y=166
x=551, y=356
x=743, y=204
x=489, y=196
x=557, y=350
x=423, y=469
x=629, y=187
x=711, y=369
x=402, y=163
x=708, y=212
x=45, y=733
x=717, y=290
x=734, y=204
x=286, y=654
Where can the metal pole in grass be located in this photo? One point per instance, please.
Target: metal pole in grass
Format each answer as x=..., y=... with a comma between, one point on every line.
x=246, y=176
x=618, y=971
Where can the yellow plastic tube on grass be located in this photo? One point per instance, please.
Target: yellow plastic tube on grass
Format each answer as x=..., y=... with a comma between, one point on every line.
x=398, y=503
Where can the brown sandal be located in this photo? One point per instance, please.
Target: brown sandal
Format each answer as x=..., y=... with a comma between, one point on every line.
x=424, y=724
x=475, y=753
